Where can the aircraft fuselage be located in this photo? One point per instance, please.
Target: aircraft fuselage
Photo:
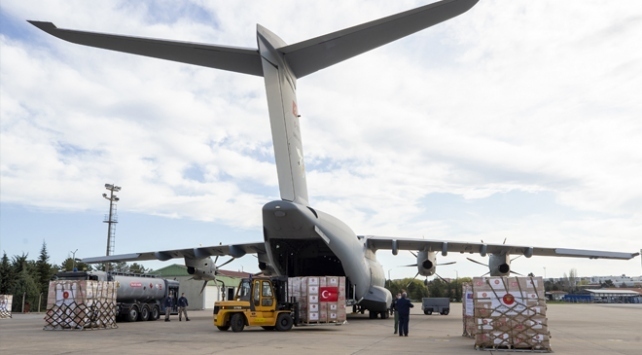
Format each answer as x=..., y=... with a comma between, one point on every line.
x=302, y=241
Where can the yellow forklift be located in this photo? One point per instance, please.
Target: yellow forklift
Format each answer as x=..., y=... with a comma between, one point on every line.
x=259, y=301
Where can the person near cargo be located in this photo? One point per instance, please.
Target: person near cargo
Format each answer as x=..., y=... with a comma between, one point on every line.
x=182, y=307
x=403, y=309
x=169, y=302
x=393, y=309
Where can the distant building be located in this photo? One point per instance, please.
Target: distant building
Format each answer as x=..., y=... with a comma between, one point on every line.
x=226, y=287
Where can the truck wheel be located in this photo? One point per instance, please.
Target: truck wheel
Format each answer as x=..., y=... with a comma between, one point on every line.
x=144, y=314
x=284, y=322
x=426, y=312
x=384, y=315
x=372, y=314
x=132, y=315
x=155, y=314
x=237, y=322
x=266, y=327
x=445, y=312
x=223, y=328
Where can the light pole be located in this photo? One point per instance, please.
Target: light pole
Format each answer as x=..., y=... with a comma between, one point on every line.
x=73, y=258
x=111, y=231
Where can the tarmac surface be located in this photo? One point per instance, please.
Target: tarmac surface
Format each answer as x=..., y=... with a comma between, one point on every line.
x=575, y=329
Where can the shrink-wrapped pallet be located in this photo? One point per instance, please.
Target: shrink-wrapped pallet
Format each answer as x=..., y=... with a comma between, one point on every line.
x=6, y=301
x=510, y=313
x=319, y=298
x=81, y=304
x=468, y=311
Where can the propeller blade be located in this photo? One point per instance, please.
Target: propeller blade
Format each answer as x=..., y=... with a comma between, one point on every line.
x=516, y=273
x=409, y=265
x=477, y=262
x=505, y=240
x=486, y=274
x=412, y=253
x=225, y=263
x=448, y=263
x=444, y=280
x=205, y=284
x=517, y=257
x=410, y=283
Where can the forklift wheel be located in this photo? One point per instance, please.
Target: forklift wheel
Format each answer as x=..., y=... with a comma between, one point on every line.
x=284, y=322
x=237, y=322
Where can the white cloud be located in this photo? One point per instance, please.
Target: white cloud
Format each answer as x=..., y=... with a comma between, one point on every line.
x=534, y=97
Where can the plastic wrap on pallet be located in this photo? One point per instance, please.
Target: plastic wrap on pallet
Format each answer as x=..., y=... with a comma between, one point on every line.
x=6, y=301
x=468, y=311
x=321, y=298
x=81, y=304
x=509, y=313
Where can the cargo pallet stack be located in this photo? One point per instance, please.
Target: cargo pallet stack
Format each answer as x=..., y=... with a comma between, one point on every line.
x=6, y=301
x=510, y=314
x=81, y=304
x=321, y=299
x=468, y=311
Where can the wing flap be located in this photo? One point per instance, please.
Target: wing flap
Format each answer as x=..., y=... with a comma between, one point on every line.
x=240, y=60
x=234, y=250
x=376, y=243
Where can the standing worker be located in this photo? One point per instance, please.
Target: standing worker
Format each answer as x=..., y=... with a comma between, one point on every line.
x=403, y=308
x=169, y=302
x=393, y=308
x=182, y=307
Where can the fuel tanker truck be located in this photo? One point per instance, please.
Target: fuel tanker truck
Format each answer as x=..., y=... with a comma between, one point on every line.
x=138, y=298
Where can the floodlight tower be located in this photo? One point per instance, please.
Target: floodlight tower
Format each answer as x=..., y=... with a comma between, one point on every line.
x=110, y=219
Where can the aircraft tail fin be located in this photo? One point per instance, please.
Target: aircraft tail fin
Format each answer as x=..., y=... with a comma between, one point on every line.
x=321, y=52
x=240, y=60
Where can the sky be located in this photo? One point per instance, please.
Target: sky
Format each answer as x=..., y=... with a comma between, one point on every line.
x=517, y=121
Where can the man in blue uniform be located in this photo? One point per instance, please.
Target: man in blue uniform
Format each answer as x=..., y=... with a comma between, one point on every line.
x=403, y=309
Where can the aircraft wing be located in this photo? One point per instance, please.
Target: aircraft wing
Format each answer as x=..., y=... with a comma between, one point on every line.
x=240, y=60
x=234, y=250
x=395, y=244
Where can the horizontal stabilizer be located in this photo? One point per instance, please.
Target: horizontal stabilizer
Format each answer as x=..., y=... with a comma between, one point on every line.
x=240, y=60
x=321, y=52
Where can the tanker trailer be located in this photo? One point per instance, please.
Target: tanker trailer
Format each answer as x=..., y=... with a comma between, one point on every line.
x=138, y=297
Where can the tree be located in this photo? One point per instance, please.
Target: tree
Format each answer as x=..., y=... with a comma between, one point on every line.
x=68, y=265
x=26, y=282
x=7, y=276
x=607, y=284
x=44, y=272
x=138, y=269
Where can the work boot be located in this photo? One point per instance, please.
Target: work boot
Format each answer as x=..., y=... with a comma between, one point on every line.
x=187, y=319
x=179, y=320
x=167, y=320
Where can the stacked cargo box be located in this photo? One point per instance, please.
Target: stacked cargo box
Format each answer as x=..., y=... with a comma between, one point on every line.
x=81, y=304
x=510, y=313
x=6, y=301
x=321, y=298
x=468, y=311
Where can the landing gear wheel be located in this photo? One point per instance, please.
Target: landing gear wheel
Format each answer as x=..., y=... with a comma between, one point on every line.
x=284, y=322
x=155, y=314
x=144, y=314
x=132, y=315
x=237, y=322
